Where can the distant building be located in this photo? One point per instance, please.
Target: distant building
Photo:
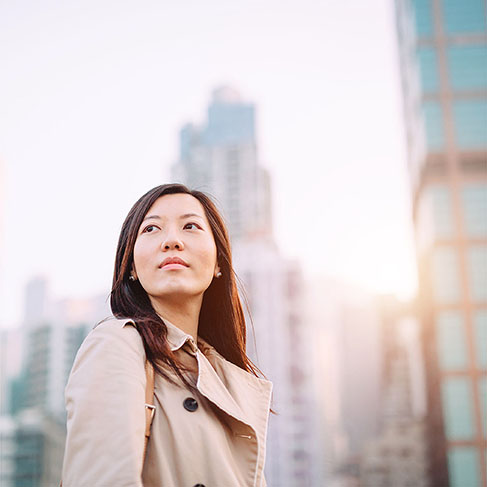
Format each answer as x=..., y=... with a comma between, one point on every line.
x=50, y=355
x=32, y=425
x=32, y=446
x=221, y=158
x=443, y=59
x=35, y=304
x=398, y=455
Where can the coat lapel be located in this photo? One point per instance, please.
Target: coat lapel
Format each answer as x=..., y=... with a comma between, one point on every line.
x=236, y=392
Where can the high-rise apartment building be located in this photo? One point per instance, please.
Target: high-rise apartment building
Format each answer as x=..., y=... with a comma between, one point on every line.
x=220, y=157
x=443, y=59
x=32, y=424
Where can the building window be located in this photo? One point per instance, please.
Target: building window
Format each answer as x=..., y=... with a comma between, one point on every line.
x=445, y=278
x=467, y=67
x=423, y=18
x=442, y=211
x=463, y=467
x=480, y=334
x=456, y=395
x=474, y=199
x=428, y=67
x=464, y=16
x=433, y=120
x=477, y=272
x=483, y=403
x=434, y=215
x=470, y=120
x=452, y=346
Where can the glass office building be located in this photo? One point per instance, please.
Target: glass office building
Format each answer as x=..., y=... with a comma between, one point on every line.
x=443, y=61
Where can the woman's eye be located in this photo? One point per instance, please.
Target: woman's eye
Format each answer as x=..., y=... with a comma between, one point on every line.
x=196, y=225
x=146, y=229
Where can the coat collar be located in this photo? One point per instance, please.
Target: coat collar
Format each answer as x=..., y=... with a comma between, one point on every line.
x=177, y=337
x=235, y=391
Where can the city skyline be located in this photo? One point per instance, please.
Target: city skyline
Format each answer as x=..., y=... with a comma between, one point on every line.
x=91, y=124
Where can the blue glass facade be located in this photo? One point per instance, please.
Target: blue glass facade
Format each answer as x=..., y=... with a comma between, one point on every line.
x=458, y=408
x=423, y=17
x=445, y=45
x=474, y=203
x=230, y=124
x=428, y=69
x=477, y=272
x=433, y=120
x=441, y=211
x=451, y=340
x=464, y=16
x=467, y=67
x=480, y=333
x=470, y=120
x=463, y=466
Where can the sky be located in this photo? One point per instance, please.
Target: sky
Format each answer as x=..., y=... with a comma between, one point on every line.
x=93, y=95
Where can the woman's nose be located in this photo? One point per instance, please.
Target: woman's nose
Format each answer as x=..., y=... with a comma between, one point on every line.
x=172, y=241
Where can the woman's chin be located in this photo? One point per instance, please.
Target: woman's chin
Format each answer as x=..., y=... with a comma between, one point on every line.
x=175, y=291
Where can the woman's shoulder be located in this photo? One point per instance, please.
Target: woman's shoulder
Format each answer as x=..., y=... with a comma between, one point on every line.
x=114, y=335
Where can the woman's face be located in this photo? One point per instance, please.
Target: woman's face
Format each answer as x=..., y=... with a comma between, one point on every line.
x=175, y=227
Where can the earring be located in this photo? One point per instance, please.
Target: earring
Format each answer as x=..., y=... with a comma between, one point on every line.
x=218, y=274
x=132, y=278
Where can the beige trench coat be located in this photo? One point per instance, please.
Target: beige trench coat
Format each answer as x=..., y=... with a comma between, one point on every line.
x=214, y=438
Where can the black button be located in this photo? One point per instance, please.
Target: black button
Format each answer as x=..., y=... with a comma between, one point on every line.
x=190, y=405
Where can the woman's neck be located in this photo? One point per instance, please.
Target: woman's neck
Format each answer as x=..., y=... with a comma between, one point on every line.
x=181, y=313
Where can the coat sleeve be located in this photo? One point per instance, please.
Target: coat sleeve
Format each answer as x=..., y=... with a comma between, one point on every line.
x=105, y=398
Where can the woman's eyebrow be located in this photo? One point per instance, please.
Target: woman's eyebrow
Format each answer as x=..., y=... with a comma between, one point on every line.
x=187, y=215
x=151, y=216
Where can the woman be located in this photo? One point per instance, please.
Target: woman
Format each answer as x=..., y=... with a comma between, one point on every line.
x=175, y=303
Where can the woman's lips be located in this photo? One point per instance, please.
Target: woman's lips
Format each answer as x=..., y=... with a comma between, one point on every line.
x=173, y=266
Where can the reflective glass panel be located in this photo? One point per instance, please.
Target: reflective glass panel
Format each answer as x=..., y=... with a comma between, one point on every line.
x=428, y=69
x=452, y=346
x=445, y=278
x=470, y=120
x=480, y=336
x=456, y=395
x=474, y=200
x=463, y=467
x=433, y=120
x=442, y=211
x=464, y=16
x=423, y=18
x=483, y=403
x=477, y=272
x=467, y=67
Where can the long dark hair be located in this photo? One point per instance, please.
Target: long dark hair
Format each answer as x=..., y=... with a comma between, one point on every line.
x=221, y=320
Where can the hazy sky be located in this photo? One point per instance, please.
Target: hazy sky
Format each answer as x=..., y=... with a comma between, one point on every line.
x=93, y=94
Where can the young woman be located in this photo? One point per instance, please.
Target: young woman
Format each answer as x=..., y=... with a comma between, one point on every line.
x=175, y=304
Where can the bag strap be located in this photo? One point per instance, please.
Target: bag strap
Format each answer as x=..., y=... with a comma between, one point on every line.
x=149, y=401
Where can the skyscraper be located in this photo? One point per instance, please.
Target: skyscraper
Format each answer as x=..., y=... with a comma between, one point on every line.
x=221, y=158
x=443, y=56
